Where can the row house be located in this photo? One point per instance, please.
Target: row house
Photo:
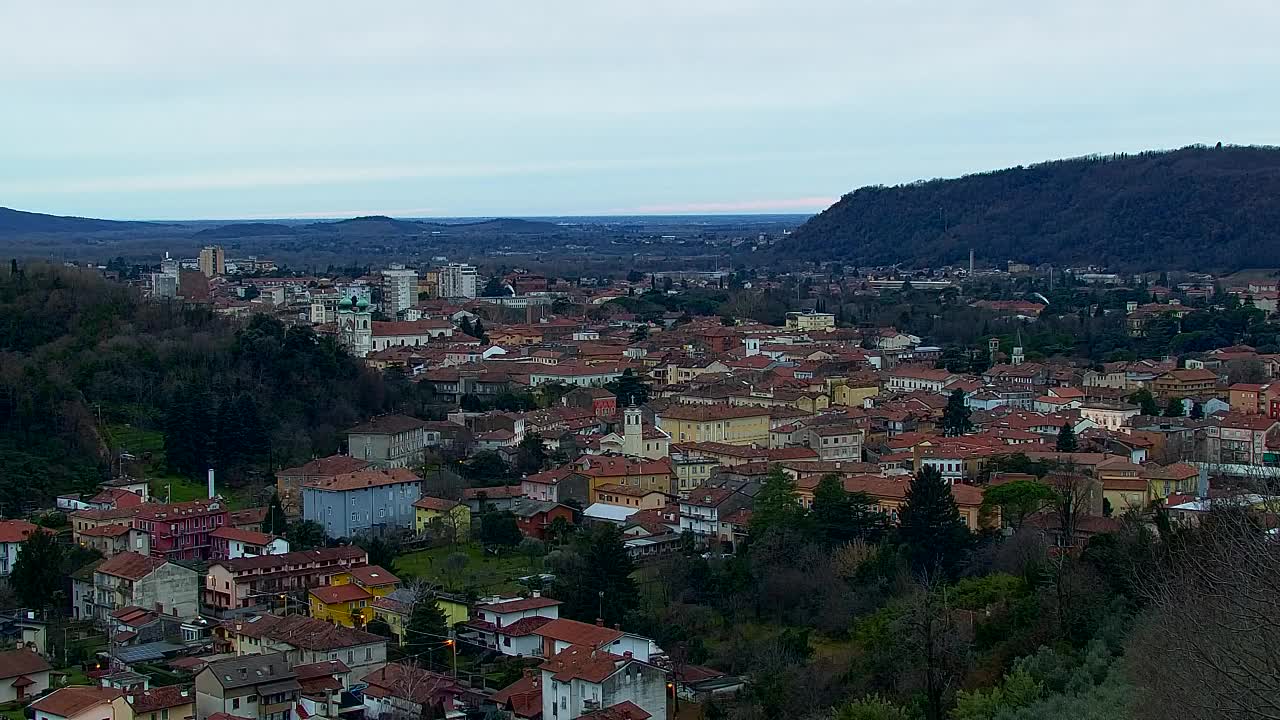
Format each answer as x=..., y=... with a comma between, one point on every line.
x=181, y=531
x=254, y=581
x=302, y=640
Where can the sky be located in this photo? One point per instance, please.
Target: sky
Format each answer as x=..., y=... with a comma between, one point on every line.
x=154, y=109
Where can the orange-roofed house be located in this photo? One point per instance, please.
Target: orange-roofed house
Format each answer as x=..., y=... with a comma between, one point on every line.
x=12, y=535
x=730, y=424
x=346, y=605
x=83, y=702
x=363, y=501
x=583, y=682
x=445, y=518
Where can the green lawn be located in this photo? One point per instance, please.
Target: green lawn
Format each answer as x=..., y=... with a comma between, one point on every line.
x=139, y=442
x=483, y=573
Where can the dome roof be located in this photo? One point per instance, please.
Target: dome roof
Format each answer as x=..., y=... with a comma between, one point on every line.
x=362, y=304
x=344, y=303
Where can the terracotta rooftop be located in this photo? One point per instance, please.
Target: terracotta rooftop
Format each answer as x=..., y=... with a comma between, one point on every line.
x=71, y=701
x=521, y=605
x=579, y=633
x=435, y=503
x=364, y=479
x=14, y=663
x=245, y=536
x=159, y=698
x=130, y=565
x=581, y=662
x=332, y=594
x=386, y=425
x=373, y=576
x=326, y=466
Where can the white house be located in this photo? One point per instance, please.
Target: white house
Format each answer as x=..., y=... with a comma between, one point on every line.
x=581, y=680
x=508, y=626
x=12, y=533
x=23, y=674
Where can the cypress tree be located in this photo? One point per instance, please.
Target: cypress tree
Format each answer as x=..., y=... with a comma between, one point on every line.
x=930, y=526
x=1067, y=439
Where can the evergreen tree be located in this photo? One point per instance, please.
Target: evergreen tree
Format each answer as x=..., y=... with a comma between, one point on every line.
x=955, y=418
x=839, y=516
x=1145, y=400
x=427, y=629
x=276, y=522
x=599, y=585
x=189, y=432
x=1197, y=411
x=531, y=454
x=500, y=529
x=629, y=389
x=37, y=575
x=466, y=327
x=776, y=507
x=930, y=526
x=1174, y=408
x=479, y=332
x=1067, y=439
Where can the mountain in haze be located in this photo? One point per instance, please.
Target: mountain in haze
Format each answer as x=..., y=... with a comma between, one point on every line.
x=1194, y=208
x=243, y=230
x=19, y=221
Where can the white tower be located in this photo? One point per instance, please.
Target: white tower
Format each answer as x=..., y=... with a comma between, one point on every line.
x=355, y=326
x=632, y=432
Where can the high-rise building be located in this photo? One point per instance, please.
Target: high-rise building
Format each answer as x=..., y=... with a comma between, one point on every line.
x=457, y=280
x=399, y=289
x=213, y=261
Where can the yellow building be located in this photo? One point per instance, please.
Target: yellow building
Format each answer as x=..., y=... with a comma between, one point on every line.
x=734, y=425
x=348, y=601
x=394, y=610
x=810, y=321
x=641, y=474
x=628, y=496
x=853, y=392
x=453, y=519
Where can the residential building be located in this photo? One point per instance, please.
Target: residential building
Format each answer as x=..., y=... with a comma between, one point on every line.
x=919, y=377
x=253, y=581
x=302, y=640
x=628, y=496
x=581, y=682
x=12, y=535
x=835, y=442
x=394, y=609
x=596, y=399
x=692, y=470
x=169, y=702
x=388, y=441
x=508, y=625
x=702, y=510
x=83, y=702
x=23, y=674
x=732, y=425
x=114, y=539
x=405, y=691
x=361, y=502
x=631, y=471
x=257, y=687
x=399, y=289
x=1184, y=383
x=212, y=261
x=457, y=280
x=130, y=579
x=533, y=517
x=180, y=531
x=443, y=518
x=349, y=600
x=811, y=321
x=407, y=333
x=289, y=482
x=562, y=633
x=1110, y=416
x=230, y=543
x=1233, y=439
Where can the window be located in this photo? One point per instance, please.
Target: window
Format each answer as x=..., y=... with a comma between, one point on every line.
x=235, y=703
x=351, y=656
x=368, y=653
x=252, y=699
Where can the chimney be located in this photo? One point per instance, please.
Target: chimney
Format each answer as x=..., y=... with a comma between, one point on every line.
x=211, y=492
x=537, y=593
x=599, y=622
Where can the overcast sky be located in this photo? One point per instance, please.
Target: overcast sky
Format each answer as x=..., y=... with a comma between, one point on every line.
x=318, y=108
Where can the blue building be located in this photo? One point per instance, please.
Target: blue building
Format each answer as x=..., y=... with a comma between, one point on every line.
x=366, y=501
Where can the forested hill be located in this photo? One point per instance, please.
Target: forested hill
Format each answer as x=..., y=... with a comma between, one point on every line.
x=80, y=355
x=1194, y=208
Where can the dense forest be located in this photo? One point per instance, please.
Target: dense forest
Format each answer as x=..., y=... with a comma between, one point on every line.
x=1195, y=208
x=79, y=354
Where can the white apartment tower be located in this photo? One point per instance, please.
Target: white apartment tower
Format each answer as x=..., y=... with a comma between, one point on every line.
x=399, y=289
x=457, y=280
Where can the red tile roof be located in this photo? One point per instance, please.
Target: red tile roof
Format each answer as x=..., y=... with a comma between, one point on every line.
x=130, y=565
x=245, y=536
x=579, y=633
x=522, y=697
x=70, y=701
x=521, y=605
x=524, y=626
x=580, y=662
x=332, y=465
x=365, y=479
x=158, y=698
x=436, y=504
x=15, y=531
x=21, y=662
x=373, y=576
x=625, y=710
x=331, y=594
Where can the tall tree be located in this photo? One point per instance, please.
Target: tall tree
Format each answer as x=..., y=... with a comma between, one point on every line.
x=1067, y=438
x=531, y=454
x=305, y=535
x=1174, y=408
x=1197, y=410
x=1018, y=500
x=276, y=522
x=499, y=529
x=839, y=516
x=1145, y=400
x=599, y=584
x=629, y=389
x=955, y=418
x=930, y=526
x=776, y=507
x=427, y=629
x=37, y=575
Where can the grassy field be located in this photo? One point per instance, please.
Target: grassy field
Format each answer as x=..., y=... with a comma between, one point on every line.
x=482, y=573
x=148, y=447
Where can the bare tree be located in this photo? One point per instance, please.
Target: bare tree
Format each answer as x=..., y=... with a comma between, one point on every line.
x=1208, y=647
x=934, y=636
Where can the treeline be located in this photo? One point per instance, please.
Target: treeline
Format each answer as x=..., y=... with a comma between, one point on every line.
x=78, y=353
x=1194, y=208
